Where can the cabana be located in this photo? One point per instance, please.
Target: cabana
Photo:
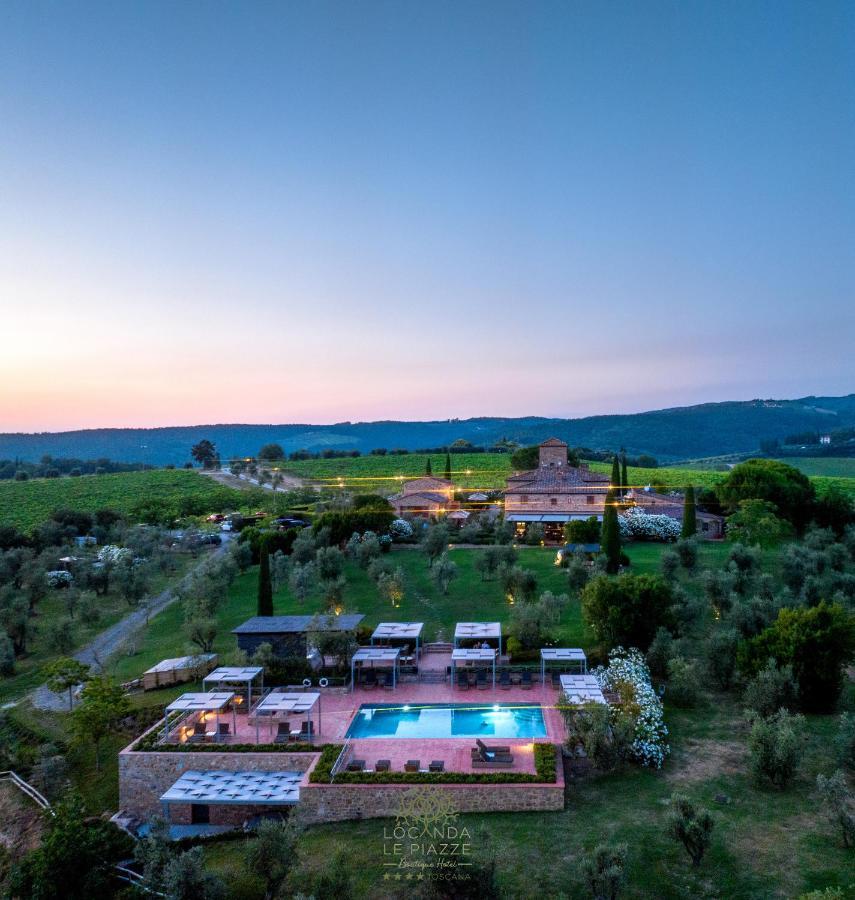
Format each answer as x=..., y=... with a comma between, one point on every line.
x=582, y=689
x=470, y=656
x=478, y=631
x=405, y=632
x=281, y=702
x=209, y=702
x=177, y=670
x=201, y=789
x=386, y=657
x=243, y=675
x=564, y=656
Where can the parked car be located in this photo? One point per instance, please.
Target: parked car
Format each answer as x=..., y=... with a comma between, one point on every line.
x=286, y=522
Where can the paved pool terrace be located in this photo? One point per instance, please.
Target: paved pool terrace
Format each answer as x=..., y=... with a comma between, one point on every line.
x=337, y=708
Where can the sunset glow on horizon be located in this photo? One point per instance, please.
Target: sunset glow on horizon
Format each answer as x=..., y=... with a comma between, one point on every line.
x=272, y=214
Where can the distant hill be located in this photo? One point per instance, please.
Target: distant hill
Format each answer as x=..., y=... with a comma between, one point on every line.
x=710, y=429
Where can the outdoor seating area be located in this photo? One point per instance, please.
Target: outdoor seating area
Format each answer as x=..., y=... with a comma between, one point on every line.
x=582, y=689
x=406, y=636
x=479, y=634
x=372, y=658
x=244, y=677
x=558, y=660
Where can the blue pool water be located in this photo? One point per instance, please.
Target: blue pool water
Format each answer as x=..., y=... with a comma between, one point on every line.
x=448, y=720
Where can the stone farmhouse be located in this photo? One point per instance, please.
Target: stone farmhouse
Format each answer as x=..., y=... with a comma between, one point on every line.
x=427, y=497
x=556, y=492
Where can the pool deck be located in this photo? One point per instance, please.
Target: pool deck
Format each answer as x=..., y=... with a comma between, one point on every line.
x=337, y=709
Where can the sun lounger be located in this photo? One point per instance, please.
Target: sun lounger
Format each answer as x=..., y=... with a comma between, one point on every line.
x=370, y=680
x=556, y=679
x=499, y=762
x=283, y=733
x=484, y=757
x=356, y=765
x=382, y=765
x=526, y=680
x=381, y=679
x=481, y=680
x=222, y=735
x=492, y=748
x=412, y=765
x=505, y=680
x=438, y=765
x=462, y=681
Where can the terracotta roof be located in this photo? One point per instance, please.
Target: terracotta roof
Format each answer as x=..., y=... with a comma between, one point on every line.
x=424, y=496
x=420, y=485
x=557, y=480
x=553, y=442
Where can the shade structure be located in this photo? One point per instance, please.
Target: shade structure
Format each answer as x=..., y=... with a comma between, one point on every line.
x=228, y=787
x=581, y=689
x=244, y=675
x=399, y=631
x=473, y=631
x=383, y=657
x=563, y=656
x=203, y=702
x=284, y=703
x=470, y=656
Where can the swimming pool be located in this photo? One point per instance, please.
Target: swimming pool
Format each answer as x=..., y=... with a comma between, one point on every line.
x=448, y=720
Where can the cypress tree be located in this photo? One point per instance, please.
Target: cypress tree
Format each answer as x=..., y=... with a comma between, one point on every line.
x=447, y=466
x=265, y=585
x=624, y=480
x=610, y=539
x=690, y=520
x=428, y=470
x=615, y=479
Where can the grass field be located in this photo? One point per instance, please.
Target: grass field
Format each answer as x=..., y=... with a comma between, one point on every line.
x=828, y=466
x=26, y=504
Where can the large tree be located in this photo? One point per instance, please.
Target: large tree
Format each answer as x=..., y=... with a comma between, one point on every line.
x=690, y=518
x=271, y=452
x=64, y=674
x=624, y=479
x=626, y=610
x=265, y=583
x=767, y=479
x=103, y=705
x=615, y=479
x=610, y=537
x=448, y=467
x=205, y=453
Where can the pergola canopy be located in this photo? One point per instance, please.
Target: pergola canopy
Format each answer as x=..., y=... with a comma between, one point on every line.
x=581, y=689
x=473, y=631
x=402, y=630
x=376, y=656
x=208, y=701
x=223, y=787
x=234, y=674
x=279, y=702
x=472, y=655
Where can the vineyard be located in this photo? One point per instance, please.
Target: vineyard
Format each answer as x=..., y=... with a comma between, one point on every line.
x=486, y=471
x=160, y=496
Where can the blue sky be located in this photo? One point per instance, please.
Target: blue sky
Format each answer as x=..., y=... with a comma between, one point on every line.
x=328, y=211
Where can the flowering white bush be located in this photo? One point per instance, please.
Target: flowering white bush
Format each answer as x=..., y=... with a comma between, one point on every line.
x=635, y=523
x=400, y=528
x=111, y=553
x=649, y=746
x=59, y=578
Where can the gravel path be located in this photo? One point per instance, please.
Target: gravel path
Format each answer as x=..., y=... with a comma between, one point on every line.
x=110, y=641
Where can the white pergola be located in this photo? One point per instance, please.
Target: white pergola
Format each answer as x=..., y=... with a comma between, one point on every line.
x=473, y=631
x=582, y=689
x=399, y=631
x=386, y=657
x=277, y=702
x=471, y=655
x=244, y=675
x=224, y=787
x=564, y=656
x=207, y=702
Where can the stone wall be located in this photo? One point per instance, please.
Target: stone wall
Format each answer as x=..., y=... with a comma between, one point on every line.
x=339, y=802
x=145, y=776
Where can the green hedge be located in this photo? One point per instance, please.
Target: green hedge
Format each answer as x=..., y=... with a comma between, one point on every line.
x=149, y=744
x=544, y=763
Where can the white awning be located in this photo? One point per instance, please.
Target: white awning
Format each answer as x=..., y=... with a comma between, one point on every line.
x=581, y=689
x=473, y=630
x=474, y=654
x=280, y=701
x=210, y=701
x=223, y=787
x=398, y=630
x=236, y=674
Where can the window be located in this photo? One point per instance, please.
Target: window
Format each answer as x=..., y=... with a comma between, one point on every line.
x=523, y=498
x=590, y=499
x=553, y=501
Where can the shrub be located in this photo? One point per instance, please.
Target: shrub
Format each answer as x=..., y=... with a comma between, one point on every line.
x=7, y=655
x=775, y=748
x=718, y=588
x=683, y=682
x=836, y=803
x=818, y=643
x=767, y=479
x=604, y=871
x=845, y=740
x=627, y=674
x=691, y=826
x=687, y=550
x=578, y=573
x=669, y=564
x=660, y=652
x=635, y=524
x=771, y=689
x=721, y=657
x=627, y=610
x=757, y=525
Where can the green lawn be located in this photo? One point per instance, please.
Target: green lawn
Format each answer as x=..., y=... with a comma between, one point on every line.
x=26, y=504
x=831, y=466
x=767, y=843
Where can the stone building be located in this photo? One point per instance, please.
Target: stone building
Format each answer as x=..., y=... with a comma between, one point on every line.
x=554, y=493
x=427, y=497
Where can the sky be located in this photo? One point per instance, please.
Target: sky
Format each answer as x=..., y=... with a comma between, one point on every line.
x=319, y=212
